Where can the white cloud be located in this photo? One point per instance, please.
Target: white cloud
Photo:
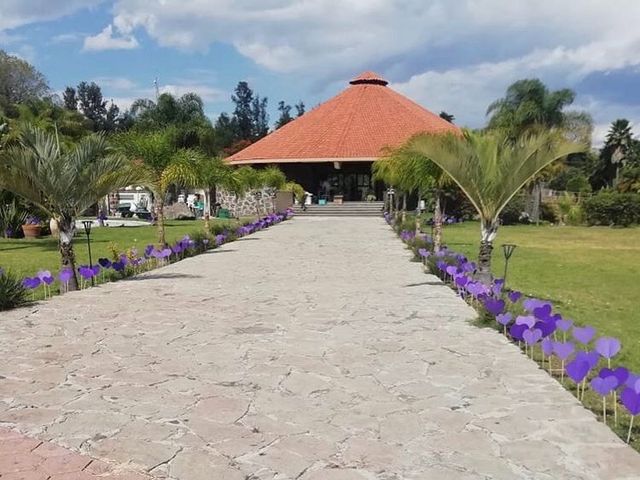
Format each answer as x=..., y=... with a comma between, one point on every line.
x=16, y=13
x=67, y=38
x=110, y=40
x=296, y=35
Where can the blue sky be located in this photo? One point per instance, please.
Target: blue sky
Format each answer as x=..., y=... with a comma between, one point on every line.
x=454, y=56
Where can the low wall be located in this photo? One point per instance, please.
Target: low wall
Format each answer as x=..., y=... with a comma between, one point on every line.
x=250, y=204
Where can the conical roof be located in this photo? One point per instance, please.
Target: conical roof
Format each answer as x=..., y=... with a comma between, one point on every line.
x=355, y=125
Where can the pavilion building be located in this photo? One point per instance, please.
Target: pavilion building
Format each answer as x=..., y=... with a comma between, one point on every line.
x=330, y=149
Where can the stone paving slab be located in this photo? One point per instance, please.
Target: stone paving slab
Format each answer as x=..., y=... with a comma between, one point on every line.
x=314, y=350
x=25, y=458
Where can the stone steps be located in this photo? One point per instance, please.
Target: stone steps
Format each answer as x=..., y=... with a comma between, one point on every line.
x=347, y=209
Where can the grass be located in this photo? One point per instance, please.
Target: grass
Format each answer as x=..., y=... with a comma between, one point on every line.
x=590, y=274
x=25, y=257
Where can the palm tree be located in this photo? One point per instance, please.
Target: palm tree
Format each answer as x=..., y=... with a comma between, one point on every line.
x=212, y=172
x=490, y=168
x=271, y=179
x=63, y=182
x=159, y=164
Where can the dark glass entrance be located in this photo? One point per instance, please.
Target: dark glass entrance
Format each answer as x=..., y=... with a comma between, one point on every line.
x=351, y=180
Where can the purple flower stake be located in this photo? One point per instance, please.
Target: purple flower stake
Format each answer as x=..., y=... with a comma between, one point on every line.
x=609, y=347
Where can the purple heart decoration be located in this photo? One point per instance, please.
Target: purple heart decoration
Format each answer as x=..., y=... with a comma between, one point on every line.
x=65, y=275
x=583, y=334
x=591, y=357
x=527, y=320
x=604, y=386
x=632, y=380
x=516, y=331
x=530, y=304
x=105, y=262
x=577, y=370
x=564, y=324
x=461, y=280
x=494, y=306
x=514, y=296
x=547, y=346
x=531, y=336
x=563, y=350
x=546, y=327
x=608, y=347
x=631, y=400
x=504, y=318
x=622, y=374
x=543, y=312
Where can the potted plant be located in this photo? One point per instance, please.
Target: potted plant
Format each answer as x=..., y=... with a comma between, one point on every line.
x=32, y=227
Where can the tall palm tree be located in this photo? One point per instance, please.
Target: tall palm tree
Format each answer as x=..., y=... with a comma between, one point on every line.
x=63, y=182
x=490, y=168
x=159, y=164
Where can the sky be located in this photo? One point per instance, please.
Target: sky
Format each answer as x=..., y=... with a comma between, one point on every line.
x=456, y=56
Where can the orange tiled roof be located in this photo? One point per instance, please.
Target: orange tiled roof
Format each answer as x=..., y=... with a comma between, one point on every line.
x=355, y=125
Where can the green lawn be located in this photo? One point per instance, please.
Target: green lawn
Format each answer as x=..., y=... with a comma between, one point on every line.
x=26, y=257
x=591, y=274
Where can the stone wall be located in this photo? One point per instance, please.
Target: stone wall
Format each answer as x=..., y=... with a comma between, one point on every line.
x=248, y=204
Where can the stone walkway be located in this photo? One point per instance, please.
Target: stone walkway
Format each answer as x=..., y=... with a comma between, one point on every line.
x=314, y=351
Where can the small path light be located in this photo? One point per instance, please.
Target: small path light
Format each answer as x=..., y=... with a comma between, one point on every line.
x=87, y=230
x=508, y=249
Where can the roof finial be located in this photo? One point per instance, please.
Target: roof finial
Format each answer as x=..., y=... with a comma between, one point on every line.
x=369, y=78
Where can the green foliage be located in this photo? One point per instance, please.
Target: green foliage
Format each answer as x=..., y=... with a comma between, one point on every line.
x=529, y=103
x=285, y=114
x=62, y=182
x=514, y=212
x=490, y=168
x=613, y=208
x=620, y=149
x=12, y=217
x=569, y=210
x=12, y=293
x=19, y=81
x=296, y=189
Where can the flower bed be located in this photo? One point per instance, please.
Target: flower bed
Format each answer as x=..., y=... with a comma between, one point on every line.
x=132, y=262
x=575, y=355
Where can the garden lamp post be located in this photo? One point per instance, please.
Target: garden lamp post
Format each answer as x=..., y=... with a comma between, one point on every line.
x=87, y=230
x=507, y=249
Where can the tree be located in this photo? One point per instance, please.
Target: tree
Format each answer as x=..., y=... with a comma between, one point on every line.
x=243, y=112
x=159, y=164
x=260, y=118
x=19, y=81
x=63, y=182
x=92, y=105
x=299, y=108
x=70, y=99
x=618, y=150
x=447, y=116
x=529, y=103
x=491, y=168
x=285, y=114
x=68, y=126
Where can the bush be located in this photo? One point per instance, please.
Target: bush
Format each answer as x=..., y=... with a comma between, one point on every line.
x=549, y=212
x=514, y=212
x=12, y=293
x=12, y=217
x=613, y=208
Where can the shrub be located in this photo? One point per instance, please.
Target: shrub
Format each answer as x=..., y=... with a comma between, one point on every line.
x=12, y=293
x=613, y=208
x=12, y=217
x=549, y=212
x=514, y=212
